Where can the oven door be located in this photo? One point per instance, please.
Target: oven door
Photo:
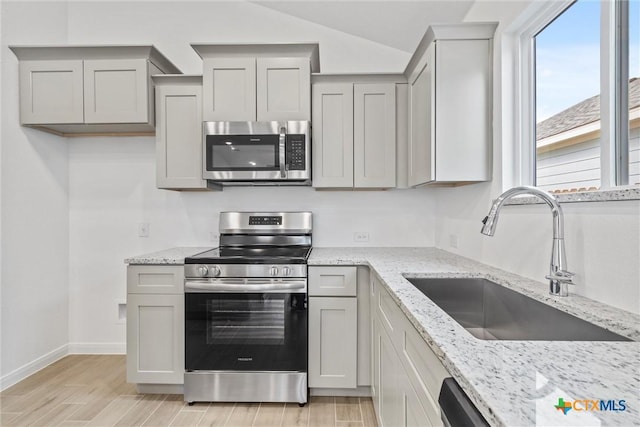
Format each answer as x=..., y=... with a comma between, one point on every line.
x=252, y=330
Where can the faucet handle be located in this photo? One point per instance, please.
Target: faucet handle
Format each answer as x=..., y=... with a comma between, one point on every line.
x=561, y=276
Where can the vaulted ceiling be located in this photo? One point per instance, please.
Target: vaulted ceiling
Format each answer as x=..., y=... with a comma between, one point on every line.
x=398, y=24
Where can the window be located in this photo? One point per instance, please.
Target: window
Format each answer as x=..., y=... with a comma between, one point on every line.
x=634, y=92
x=567, y=100
x=581, y=103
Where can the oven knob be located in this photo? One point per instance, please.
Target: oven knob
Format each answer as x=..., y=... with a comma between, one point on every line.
x=273, y=271
x=286, y=271
x=203, y=270
x=215, y=271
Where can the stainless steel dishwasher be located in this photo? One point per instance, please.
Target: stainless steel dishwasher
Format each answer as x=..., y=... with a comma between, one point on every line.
x=456, y=408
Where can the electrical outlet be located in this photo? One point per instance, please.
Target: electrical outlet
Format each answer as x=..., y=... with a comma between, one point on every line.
x=143, y=229
x=361, y=236
x=453, y=240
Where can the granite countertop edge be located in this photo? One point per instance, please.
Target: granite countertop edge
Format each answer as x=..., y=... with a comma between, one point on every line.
x=171, y=256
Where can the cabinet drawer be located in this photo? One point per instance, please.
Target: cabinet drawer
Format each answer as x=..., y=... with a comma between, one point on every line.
x=155, y=279
x=333, y=281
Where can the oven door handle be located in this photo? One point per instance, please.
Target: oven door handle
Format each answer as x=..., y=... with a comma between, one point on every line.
x=282, y=146
x=229, y=287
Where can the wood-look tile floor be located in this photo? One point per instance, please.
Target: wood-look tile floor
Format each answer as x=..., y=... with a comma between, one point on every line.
x=91, y=390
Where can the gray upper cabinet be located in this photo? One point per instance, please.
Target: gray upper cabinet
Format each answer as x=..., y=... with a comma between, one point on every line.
x=374, y=135
x=284, y=89
x=230, y=93
x=355, y=131
x=450, y=134
x=179, y=133
x=117, y=91
x=332, y=135
x=83, y=90
x=257, y=82
x=51, y=92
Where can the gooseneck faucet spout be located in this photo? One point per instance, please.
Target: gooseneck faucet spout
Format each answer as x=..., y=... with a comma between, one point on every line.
x=559, y=277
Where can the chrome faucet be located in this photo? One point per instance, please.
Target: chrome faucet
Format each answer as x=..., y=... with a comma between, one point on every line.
x=559, y=277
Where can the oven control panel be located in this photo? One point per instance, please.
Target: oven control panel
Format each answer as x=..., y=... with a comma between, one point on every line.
x=240, y=271
x=265, y=220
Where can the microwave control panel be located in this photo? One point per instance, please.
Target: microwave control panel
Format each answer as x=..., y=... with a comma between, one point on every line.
x=295, y=152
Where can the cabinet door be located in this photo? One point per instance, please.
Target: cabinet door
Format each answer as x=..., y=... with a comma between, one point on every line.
x=51, y=92
x=333, y=281
x=179, y=137
x=332, y=135
x=375, y=360
x=463, y=82
x=390, y=387
x=229, y=89
x=155, y=339
x=374, y=135
x=333, y=342
x=115, y=91
x=421, y=122
x=413, y=413
x=284, y=89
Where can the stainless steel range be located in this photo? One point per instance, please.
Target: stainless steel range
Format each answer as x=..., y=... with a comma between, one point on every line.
x=246, y=311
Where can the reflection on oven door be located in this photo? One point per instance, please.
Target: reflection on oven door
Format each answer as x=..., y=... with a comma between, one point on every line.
x=246, y=332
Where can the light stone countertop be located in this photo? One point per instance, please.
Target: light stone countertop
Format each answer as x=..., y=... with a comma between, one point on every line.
x=513, y=383
x=173, y=256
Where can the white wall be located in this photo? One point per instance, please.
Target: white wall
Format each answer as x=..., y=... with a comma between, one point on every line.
x=172, y=25
x=112, y=180
x=603, y=239
x=35, y=214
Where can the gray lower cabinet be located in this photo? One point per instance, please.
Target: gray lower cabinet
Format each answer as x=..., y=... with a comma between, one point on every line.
x=332, y=342
x=155, y=324
x=339, y=339
x=406, y=374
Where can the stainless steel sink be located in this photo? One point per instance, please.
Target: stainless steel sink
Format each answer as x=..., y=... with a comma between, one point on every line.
x=492, y=312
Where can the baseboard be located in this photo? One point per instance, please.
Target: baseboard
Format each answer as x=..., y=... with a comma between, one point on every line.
x=160, y=388
x=32, y=367
x=97, y=348
x=361, y=391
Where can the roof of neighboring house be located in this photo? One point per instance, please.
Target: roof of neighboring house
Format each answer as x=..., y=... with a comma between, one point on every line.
x=583, y=112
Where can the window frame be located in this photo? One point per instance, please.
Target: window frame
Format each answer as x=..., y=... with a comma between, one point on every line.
x=614, y=118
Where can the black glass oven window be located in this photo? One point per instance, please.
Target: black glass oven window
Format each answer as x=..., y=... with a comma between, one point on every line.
x=246, y=332
x=242, y=152
x=240, y=320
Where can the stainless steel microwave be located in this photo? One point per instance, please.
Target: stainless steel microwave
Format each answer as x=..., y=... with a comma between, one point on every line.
x=257, y=152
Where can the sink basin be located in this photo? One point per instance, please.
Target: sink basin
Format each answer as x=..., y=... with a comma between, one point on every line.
x=492, y=312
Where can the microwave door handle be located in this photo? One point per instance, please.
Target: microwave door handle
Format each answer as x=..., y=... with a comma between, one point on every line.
x=283, y=173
